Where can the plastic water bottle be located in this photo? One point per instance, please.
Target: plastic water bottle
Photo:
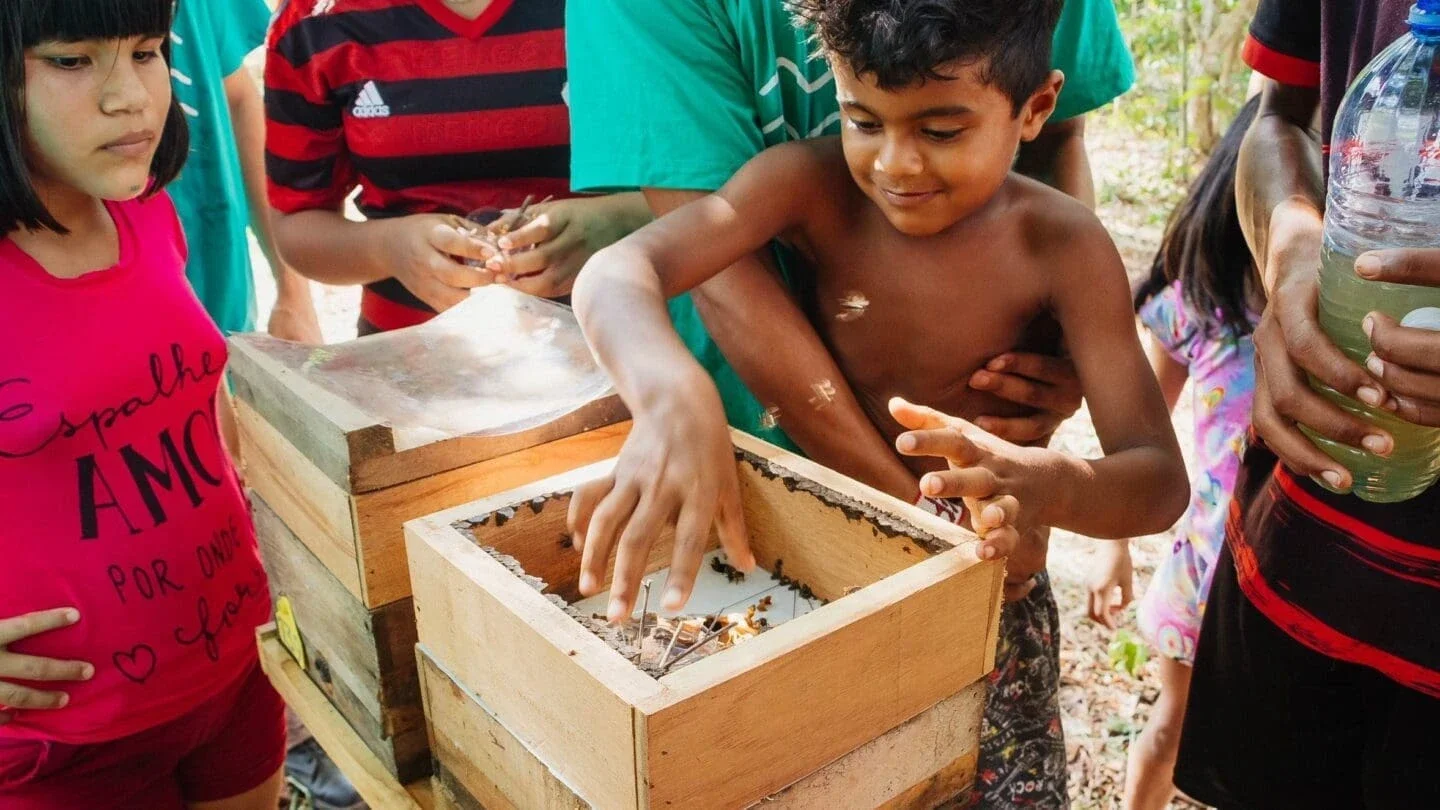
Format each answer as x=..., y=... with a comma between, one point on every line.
x=1384, y=192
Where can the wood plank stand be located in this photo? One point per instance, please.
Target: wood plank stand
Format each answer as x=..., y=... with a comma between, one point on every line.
x=372, y=780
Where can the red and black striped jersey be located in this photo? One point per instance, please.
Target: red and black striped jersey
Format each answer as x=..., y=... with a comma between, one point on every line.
x=421, y=109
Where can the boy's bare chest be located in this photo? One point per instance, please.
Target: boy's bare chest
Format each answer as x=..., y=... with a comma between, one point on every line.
x=916, y=318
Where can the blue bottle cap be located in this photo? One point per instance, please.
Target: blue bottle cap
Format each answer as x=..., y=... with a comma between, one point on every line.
x=1425, y=17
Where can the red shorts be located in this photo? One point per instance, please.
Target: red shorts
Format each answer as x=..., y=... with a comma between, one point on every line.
x=225, y=747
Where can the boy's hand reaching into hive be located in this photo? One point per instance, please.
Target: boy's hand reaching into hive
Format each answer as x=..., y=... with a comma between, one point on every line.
x=677, y=469
x=16, y=667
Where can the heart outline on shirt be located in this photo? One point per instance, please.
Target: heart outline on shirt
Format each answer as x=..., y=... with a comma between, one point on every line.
x=131, y=665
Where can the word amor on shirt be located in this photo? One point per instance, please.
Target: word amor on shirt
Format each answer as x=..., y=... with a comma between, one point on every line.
x=175, y=459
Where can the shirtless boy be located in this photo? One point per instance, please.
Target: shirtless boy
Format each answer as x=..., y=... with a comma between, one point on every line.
x=928, y=256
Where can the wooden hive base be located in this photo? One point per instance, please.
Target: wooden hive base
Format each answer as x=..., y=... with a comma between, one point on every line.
x=482, y=765
x=375, y=784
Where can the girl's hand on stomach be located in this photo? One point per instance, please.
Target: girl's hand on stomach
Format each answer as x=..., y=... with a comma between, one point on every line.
x=543, y=255
x=16, y=667
x=1111, y=582
x=428, y=254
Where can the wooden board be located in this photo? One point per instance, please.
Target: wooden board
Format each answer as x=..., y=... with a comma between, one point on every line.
x=380, y=516
x=363, y=661
x=923, y=763
x=360, y=538
x=334, y=434
x=376, y=786
x=476, y=753
x=531, y=527
x=740, y=726
x=562, y=689
x=356, y=451
x=397, y=468
x=826, y=548
x=916, y=766
x=319, y=513
x=801, y=468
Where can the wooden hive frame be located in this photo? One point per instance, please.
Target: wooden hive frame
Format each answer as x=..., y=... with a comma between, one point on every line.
x=735, y=727
x=356, y=451
x=333, y=475
x=918, y=765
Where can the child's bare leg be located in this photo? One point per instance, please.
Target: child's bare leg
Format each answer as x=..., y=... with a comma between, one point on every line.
x=1150, y=774
x=263, y=797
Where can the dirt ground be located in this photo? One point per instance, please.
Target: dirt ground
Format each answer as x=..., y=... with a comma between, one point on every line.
x=1103, y=708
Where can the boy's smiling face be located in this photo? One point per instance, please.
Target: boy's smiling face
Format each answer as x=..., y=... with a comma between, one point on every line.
x=933, y=153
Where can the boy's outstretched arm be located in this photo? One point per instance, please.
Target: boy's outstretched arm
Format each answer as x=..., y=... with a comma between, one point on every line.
x=749, y=313
x=677, y=465
x=1140, y=486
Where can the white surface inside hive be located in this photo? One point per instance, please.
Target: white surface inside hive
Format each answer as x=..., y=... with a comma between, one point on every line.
x=714, y=593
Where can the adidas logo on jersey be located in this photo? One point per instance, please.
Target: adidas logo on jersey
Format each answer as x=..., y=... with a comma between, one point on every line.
x=369, y=104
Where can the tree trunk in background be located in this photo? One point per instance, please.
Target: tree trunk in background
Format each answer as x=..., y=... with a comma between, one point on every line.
x=1217, y=32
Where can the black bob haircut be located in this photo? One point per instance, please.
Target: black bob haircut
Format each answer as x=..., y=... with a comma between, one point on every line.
x=27, y=23
x=904, y=42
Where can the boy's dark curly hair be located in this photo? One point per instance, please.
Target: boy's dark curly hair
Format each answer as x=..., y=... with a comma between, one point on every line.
x=902, y=42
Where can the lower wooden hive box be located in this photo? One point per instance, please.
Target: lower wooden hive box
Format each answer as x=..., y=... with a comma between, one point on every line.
x=903, y=631
x=362, y=659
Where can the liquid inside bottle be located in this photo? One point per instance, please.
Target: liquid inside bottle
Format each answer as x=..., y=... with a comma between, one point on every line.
x=1384, y=192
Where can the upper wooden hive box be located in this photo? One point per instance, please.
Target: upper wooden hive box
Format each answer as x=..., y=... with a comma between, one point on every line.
x=347, y=442
x=905, y=618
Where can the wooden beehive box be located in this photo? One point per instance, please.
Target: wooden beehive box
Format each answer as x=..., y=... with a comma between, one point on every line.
x=910, y=625
x=336, y=471
x=332, y=449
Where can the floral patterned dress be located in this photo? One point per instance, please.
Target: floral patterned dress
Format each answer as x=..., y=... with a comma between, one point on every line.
x=1221, y=364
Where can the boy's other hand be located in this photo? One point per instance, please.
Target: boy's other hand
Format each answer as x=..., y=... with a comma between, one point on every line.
x=995, y=478
x=1050, y=385
x=677, y=468
x=1406, y=361
x=428, y=254
x=1112, y=582
x=15, y=667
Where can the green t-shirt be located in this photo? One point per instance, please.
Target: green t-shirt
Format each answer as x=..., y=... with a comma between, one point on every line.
x=679, y=94
x=209, y=43
x=1090, y=49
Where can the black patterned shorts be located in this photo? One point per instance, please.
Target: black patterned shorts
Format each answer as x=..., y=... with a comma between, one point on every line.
x=1022, y=745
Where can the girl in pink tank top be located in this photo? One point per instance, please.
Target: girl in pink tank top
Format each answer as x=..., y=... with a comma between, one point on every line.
x=131, y=585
